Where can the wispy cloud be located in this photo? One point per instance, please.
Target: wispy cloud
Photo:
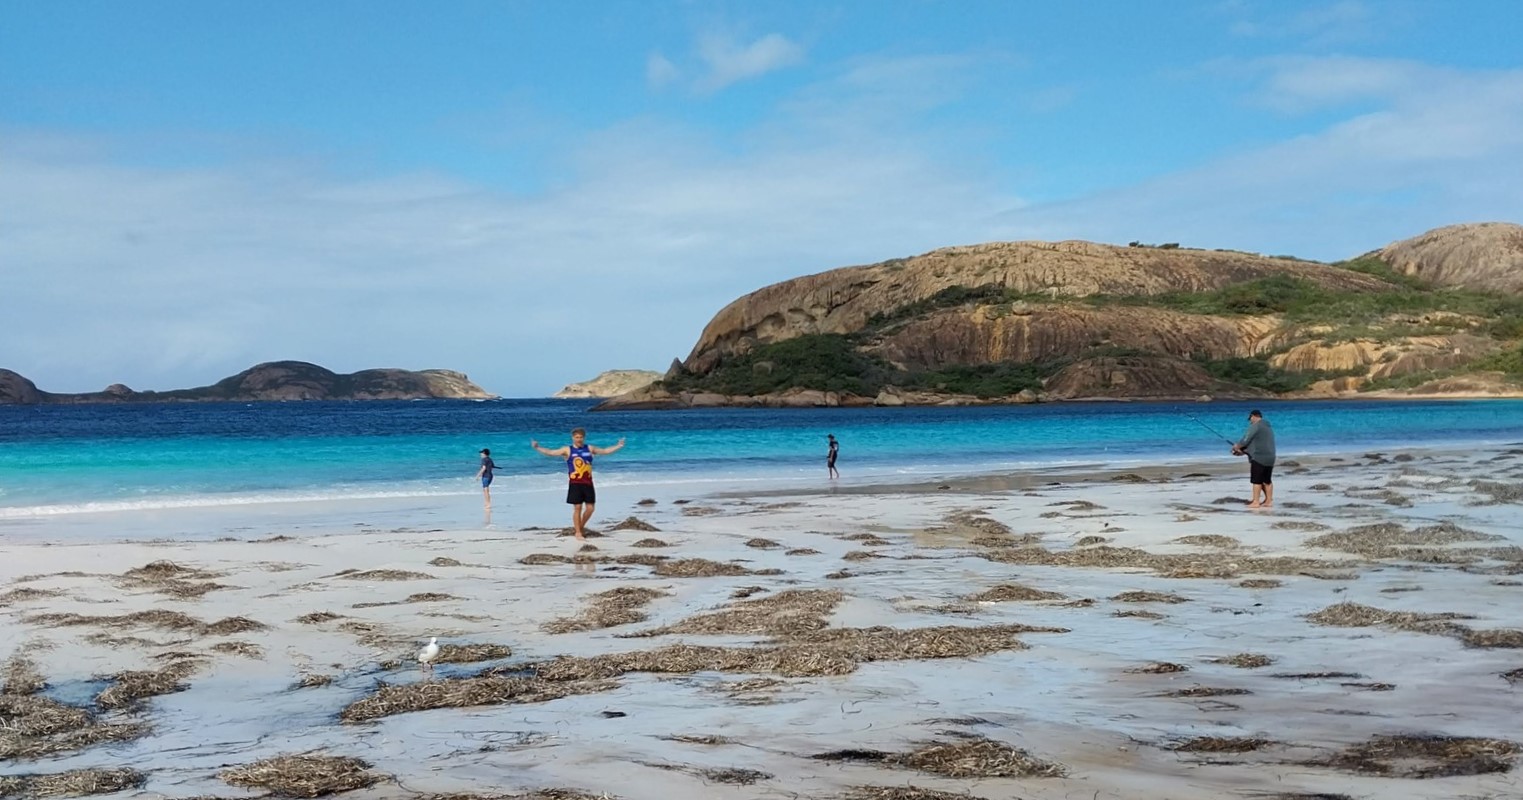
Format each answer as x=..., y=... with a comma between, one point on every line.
x=727, y=61
x=188, y=274
x=1419, y=147
x=660, y=71
x=1328, y=24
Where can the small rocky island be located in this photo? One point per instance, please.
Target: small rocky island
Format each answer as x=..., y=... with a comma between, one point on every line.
x=612, y=383
x=271, y=381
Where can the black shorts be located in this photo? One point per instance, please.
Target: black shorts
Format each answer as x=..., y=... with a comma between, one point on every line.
x=1260, y=474
x=579, y=493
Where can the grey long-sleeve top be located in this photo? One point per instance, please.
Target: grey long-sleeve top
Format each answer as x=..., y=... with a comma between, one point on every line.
x=1258, y=443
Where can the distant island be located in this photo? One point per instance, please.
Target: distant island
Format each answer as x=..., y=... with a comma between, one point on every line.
x=1440, y=314
x=612, y=383
x=268, y=382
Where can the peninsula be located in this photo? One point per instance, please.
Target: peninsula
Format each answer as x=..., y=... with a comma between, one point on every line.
x=1440, y=314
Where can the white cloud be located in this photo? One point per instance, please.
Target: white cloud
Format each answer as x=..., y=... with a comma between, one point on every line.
x=161, y=277
x=728, y=62
x=1322, y=25
x=660, y=71
x=1419, y=147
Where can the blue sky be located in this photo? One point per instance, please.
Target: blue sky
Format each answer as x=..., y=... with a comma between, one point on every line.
x=533, y=192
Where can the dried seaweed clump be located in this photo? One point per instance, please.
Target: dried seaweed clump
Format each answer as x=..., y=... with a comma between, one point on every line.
x=74, y=783
x=1139, y=614
x=387, y=575
x=244, y=649
x=1208, y=540
x=783, y=614
x=231, y=625
x=133, y=685
x=633, y=523
x=33, y=726
x=621, y=606
x=443, y=561
x=762, y=544
x=698, y=568
x=1497, y=492
x=318, y=616
x=1300, y=525
x=650, y=543
x=167, y=577
x=705, y=739
x=975, y=757
x=802, y=551
x=1205, y=691
x=1220, y=744
x=882, y=643
x=1391, y=540
x=1245, y=660
x=26, y=593
x=1261, y=583
x=1500, y=637
x=164, y=620
x=1159, y=668
x=1425, y=756
x=471, y=653
x=1013, y=592
x=859, y=555
x=833, y=651
x=1354, y=615
x=1184, y=565
x=1513, y=675
x=463, y=693
x=303, y=776
x=535, y=559
x=22, y=677
x=1150, y=597
x=902, y=793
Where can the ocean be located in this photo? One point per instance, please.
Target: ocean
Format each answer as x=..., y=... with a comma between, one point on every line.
x=68, y=460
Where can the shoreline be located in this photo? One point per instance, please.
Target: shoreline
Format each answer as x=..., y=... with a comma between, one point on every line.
x=1082, y=626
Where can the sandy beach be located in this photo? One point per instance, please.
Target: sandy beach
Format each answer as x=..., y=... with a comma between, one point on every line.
x=1132, y=634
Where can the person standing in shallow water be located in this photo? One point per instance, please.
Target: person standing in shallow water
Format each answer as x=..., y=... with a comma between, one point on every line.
x=830, y=458
x=485, y=474
x=580, y=494
x=1258, y=444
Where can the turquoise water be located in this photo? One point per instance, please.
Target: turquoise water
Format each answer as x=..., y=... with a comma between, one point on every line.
x=71, y=459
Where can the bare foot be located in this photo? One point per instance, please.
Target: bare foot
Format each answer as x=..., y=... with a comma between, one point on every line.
x=1267, y=505
x=1254, y=505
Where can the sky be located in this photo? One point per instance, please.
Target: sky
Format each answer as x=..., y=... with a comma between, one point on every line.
x=534, y=192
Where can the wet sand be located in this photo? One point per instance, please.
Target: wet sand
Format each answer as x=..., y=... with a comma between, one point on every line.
x=1122, y=634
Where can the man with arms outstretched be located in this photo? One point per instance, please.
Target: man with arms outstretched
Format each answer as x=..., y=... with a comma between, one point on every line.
x=579, y=491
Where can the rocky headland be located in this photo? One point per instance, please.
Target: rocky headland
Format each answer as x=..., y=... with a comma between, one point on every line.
x=610, y=384
x=272, y=381
x=1439, y=314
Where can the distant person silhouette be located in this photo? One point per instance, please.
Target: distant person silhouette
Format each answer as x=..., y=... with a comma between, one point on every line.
x=485, y=474
x=830, y=458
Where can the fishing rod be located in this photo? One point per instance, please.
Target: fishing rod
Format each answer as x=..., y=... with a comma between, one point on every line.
x=1211, y=429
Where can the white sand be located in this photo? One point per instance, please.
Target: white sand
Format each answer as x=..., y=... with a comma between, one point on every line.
x=1067, y=699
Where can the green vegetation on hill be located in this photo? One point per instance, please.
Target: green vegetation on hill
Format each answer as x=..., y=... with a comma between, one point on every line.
x=1405, y=307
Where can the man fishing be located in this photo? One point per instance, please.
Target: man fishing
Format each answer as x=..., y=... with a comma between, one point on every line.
x=1258, y=444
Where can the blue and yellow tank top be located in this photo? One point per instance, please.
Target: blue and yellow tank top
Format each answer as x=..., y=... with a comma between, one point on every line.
x=579, y=464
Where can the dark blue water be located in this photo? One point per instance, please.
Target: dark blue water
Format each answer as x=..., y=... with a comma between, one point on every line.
x=61, y=459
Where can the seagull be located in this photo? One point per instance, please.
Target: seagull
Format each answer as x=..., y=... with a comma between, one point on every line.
x=430, y=652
